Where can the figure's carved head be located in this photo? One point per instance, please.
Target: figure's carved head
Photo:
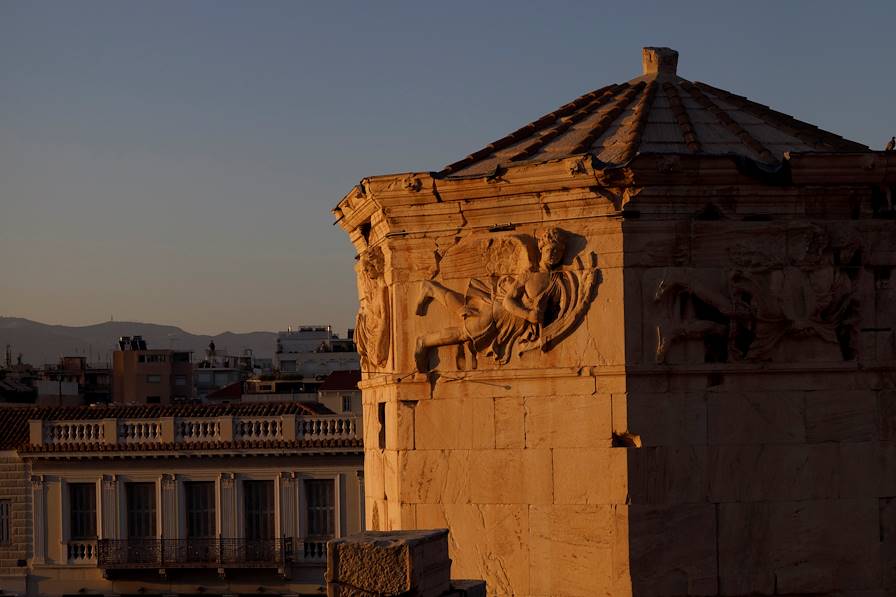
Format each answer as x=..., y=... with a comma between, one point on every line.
x=807, y=245
x=551, y=247
x=373, y=262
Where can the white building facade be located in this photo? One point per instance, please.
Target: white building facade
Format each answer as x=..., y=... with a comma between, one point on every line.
x=220, y=500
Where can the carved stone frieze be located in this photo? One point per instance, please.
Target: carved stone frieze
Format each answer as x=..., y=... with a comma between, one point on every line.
x=521, y=298
x=372, y=327
x=746, y=310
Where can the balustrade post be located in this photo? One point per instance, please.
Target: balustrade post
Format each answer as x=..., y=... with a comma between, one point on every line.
x=288, y=426
x=36, y=432
x=110, y=431
x=225, y=428
x=168, y=435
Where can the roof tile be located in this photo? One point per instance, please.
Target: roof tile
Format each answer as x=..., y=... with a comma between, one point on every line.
x=616, y=122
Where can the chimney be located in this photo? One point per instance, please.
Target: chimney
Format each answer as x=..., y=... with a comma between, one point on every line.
x=663, y=61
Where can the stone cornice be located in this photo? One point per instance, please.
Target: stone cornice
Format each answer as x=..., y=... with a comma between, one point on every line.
x=420, y=189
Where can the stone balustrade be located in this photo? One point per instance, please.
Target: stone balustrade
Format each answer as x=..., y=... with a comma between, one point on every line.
x=139, y=431
x=193, y=430
x=82, y=552
x=258, y=428
x=313, y=551
x=328, y=427
x=197, y=429
x=62, y=432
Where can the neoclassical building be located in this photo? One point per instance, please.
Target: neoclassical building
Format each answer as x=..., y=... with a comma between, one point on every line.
x=643, y=345
x=165, y=500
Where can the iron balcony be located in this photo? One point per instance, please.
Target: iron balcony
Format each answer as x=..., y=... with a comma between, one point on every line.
x=123, y=554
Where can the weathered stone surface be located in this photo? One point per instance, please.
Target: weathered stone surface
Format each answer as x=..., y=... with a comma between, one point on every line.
x=799, y=547
x=885, y=462
x=573, y=550
x=755, y=473
x=887, y=508
x=454, y=424
x=511, y=477
x=382, y=564
x=661, y=419
x=467, y=588
x=841, y=416
x=672, y=550
x=486, y=541
x=435, y=476
x=568, y=421
x=673, y=475
x=756, y=417
x=400, y=427
x=510, y=422
x=887, y=415
x=861, y=470
x=590, y=475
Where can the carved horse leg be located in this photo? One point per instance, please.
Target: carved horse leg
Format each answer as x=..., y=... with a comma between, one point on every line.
x=445, y=337
x=453, y=301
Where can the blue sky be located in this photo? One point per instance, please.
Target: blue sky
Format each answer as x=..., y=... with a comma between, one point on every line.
x=176, y=161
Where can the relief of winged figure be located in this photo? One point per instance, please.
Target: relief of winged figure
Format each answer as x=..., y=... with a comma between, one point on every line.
x=528, y=301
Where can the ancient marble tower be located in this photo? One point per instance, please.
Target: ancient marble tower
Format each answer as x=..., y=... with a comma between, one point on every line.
x=641, y=346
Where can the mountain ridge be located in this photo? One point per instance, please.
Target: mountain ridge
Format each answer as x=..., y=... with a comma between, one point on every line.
x=41, y=343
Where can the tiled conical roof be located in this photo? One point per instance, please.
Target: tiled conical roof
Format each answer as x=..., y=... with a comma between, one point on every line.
x=658, y=112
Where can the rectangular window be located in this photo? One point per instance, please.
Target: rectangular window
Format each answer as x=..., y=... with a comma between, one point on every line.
x=141, y=358
x=200, y=503
x=5, y=522
x=320, y=507
x=82, y=510
x=141, y=510
x=153, y=379
x=259, y=509
x=346, y=404
x=153, y=399
x=180, y=380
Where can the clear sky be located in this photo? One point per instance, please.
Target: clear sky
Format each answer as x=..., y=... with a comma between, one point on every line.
x=176, y=161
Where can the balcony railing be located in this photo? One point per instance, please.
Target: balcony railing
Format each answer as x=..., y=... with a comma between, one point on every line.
x=193, y=553
x=81, y=552
x=195, y=430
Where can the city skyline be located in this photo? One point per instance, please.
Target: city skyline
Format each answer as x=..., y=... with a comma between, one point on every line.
x=176, y=163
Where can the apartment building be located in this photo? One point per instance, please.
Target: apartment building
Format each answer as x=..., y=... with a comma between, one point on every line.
x=340, y=392
x=177, y=499
x=314, y=350
x=144, y=376
x=73, y=382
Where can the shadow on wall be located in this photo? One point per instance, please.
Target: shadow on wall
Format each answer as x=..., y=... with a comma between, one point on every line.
x=737, y=491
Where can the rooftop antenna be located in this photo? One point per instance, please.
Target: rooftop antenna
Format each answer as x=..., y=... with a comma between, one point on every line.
x=8, y=356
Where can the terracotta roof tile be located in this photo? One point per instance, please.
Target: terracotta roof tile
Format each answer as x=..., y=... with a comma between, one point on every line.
x=299, y=444
x=341, y=380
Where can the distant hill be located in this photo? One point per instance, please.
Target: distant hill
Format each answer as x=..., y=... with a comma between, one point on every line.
x=40, y=343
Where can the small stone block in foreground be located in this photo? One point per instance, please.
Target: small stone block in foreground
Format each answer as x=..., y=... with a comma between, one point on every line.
x=385, y=564
x=467, y=588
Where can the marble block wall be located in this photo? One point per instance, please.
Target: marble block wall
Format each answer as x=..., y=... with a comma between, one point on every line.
x=652, y=381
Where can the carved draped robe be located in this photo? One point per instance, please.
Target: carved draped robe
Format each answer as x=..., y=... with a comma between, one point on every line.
x=495, y=331
x=372, y=326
